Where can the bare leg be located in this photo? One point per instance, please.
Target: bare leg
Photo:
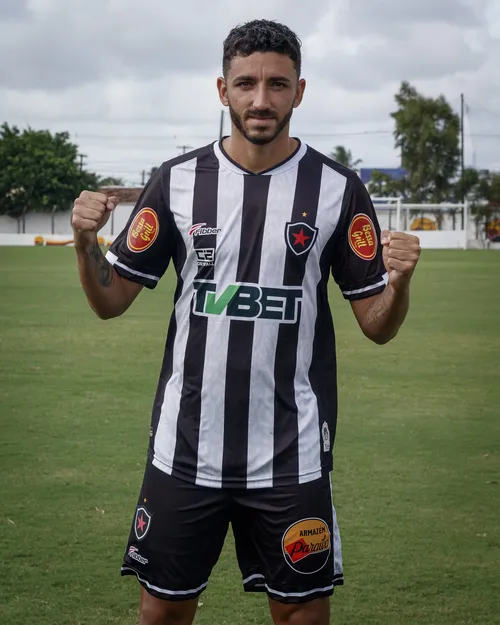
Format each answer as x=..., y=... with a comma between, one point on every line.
x=316, y=612
x=155, y=611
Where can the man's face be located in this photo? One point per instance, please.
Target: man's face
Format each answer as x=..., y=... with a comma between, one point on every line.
x=261, y=91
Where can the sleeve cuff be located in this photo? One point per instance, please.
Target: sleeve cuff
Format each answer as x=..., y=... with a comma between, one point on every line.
x=146, y=279
x=367, y=290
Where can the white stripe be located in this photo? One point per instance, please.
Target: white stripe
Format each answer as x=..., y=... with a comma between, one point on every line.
x=256, y=576
x=113, y=260
x=182, y=179
x=211, y=437
x=384, y=280
x=337, y=543
x=162, y=590
x=298, y=594
x=265, y=339
x=329, y=207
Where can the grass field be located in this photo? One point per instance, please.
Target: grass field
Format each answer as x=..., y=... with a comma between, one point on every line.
x=417, y=479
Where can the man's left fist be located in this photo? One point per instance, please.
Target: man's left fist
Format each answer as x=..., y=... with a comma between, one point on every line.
x=400, y=253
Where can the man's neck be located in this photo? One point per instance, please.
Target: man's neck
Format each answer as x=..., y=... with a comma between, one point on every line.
x=258, y=158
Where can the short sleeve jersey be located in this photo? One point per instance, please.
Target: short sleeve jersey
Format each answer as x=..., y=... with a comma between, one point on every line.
x=247, y=395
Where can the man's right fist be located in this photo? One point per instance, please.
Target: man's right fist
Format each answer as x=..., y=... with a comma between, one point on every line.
x=91, y=211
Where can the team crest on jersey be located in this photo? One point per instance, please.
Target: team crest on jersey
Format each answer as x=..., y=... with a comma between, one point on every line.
x=142, y=522
x=362, y=237
x=306, y=545
x=143, y=230
x=300, y=237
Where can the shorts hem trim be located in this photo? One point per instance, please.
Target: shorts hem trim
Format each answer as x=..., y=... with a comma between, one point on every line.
x=162, y=592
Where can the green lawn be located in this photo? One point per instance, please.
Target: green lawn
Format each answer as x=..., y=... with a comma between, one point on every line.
x=417, y=479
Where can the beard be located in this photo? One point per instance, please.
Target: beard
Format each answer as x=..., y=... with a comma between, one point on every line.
x=259, y=140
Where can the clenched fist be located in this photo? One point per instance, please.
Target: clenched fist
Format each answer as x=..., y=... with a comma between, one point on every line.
x=91, y=212
x=401, y=252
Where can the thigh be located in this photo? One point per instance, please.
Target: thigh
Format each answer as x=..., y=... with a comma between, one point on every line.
x=177, y=534
x=288, y=543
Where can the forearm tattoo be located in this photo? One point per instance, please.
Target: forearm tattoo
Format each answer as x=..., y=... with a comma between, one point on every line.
x=103, y=270
x=377, y=312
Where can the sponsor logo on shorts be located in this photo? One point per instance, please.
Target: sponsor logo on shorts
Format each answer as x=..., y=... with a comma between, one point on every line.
x=362, y=237
x=199, y=230
x=142, y=522
x=306, y=545
x=143, y=230
x=205, y=257
x=133, y=553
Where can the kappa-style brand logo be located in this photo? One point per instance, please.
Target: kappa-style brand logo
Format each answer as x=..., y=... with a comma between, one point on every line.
x=199, y=230
x=306, y=545
x=362, y=237
x=133, y=553
x=205, y=257
x=247, y=301
x=143, y=230
x=142, y=522
x=300, y=237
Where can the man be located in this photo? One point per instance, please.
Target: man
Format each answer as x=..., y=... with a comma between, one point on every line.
x=244, y=416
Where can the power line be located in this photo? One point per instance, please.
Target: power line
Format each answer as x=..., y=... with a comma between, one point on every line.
x=481, y=108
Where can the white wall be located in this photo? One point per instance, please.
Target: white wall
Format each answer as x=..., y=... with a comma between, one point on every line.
x=8, y=224
x=60, y=223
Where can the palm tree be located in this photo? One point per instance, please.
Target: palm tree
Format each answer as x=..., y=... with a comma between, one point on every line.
x=344, y=156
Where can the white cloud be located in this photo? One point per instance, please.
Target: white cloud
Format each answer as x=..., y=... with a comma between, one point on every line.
x=133, y=80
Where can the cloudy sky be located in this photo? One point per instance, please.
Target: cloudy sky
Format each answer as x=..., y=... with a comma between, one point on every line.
x=132, y=80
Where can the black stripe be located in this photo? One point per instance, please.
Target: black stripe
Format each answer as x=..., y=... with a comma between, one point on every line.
x=179, y=258
x=240, y=345
x=188, y=423
x=323, y=373
x=286, y=460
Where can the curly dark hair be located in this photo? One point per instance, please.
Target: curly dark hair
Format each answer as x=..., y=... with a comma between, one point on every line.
x=261, y=36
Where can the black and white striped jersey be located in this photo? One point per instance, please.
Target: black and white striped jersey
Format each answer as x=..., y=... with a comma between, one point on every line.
x=247, y=395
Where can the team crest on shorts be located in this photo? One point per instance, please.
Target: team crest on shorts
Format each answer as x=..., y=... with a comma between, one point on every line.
x=300, y=237
x=142, y=522
x=306, y=545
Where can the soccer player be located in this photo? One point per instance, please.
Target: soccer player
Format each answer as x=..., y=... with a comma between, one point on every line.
x=244, y=417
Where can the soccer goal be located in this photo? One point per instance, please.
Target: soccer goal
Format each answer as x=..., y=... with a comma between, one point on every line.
x=439, y=226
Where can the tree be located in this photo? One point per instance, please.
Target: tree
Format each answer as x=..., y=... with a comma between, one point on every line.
x=39, y=171
x=383, y=185
x=344, y=156
x=427, y=134
x=111, y=181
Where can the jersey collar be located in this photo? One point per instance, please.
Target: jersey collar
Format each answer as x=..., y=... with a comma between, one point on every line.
x=226, y=161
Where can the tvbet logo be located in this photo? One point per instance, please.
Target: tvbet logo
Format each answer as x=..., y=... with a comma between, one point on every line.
x=247, y=301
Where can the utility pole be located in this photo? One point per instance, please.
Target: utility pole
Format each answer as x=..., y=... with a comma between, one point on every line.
x=184, y=148
x=81, y=156
x=143, y=174
x=462, y=150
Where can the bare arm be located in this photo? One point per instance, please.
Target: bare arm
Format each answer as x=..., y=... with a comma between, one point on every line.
x=108, y=294
x=381, y=316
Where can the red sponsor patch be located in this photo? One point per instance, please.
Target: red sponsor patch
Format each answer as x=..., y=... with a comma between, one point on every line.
x=307, y=540
x=143, y=230
x=362, y=237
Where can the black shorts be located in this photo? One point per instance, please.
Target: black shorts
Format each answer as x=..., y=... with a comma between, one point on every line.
x=287, y=538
